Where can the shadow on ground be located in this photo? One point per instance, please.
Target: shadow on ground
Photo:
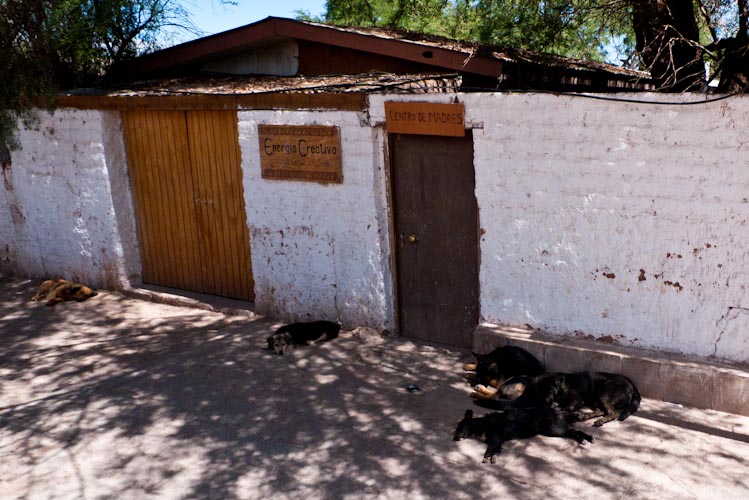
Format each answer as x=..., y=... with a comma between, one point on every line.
x=120, y=398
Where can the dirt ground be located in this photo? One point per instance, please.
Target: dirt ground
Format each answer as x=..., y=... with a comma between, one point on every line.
x=122, y=398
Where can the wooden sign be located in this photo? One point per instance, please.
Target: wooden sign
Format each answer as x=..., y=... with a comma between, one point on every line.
x=300, y=152
x=425, y=118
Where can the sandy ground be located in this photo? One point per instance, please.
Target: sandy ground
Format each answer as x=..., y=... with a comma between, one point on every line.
x=127, y=399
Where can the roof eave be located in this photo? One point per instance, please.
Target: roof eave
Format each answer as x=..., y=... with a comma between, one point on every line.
x=273, y=28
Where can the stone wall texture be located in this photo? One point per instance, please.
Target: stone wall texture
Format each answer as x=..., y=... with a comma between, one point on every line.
x=57, y=215
x=622, y=221
x=616, y=220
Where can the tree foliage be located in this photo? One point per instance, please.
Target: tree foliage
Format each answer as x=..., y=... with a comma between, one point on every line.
x=46, y=45
x=673, y=39
x=578, y=28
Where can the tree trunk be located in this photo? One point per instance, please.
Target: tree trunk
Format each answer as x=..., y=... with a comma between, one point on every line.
x=734, y=69
x=668, y=43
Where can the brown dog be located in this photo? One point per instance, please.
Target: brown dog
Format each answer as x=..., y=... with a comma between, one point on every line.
x=60, y=290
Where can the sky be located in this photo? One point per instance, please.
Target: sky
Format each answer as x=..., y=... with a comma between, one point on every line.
x=212, y=17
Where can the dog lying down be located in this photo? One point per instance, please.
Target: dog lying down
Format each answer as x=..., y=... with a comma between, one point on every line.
x=501, y=364
x=608, y=395
x=60, y=290
x=287, y=337
x=518, y=423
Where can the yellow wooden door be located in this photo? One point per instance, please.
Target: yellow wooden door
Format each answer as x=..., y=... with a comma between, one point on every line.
x=187, y=187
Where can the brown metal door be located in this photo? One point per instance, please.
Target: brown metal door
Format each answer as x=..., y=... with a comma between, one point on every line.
x=187, y=188
x=436, y=224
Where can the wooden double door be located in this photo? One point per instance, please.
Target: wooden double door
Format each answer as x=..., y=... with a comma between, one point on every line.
x=186, y=179
x=436, y=229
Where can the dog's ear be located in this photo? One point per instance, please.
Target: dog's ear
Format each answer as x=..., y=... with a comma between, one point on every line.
x=270, y=341
x=469, y=414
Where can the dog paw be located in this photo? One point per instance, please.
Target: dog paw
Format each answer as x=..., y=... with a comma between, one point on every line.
x=484, y=390
x=599, y=423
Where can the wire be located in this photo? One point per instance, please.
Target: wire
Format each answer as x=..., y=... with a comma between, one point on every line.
x=615, y=99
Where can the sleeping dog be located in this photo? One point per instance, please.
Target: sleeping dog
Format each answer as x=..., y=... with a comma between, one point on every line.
x=501, y=364
x=608, y=395
x=60, y=290
x=287, y=337
x=518, y=423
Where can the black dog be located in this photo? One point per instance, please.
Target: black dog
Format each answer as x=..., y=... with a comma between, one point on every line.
x=608, y=395
x=518, y=423
x=501, y=364
x=287, y=337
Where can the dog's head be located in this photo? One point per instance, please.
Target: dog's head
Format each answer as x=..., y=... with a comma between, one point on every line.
x=81, y=292
x=468, y=427
x=281, y=343
x=487, y=370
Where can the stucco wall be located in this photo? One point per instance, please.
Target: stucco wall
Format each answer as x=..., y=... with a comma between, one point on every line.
x=614, y=219
x=56, y=209
x=320, y=250
x=617, y=220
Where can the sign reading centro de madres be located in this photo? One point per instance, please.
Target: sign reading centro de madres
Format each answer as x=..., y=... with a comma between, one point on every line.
x=425, y=118
x=300, y=152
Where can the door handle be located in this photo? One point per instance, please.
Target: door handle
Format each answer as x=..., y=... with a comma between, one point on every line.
x=413, y=238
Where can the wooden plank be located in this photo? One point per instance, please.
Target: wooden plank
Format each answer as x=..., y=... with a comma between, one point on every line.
x=187, y=188
x=236, y=206
x=240, y=215
x=151, y=197
x=229, y=201
x=133, y=146
x=215, y=160
x=309, y=153
x=269, y=100
x=189, y=213
x=210, y=160
x=235, y=236
x=223, y=179
x=425, y=118
x=200, y=193
x=176, y=194
x=167, y=130
x=437, y=276
x=160, y=171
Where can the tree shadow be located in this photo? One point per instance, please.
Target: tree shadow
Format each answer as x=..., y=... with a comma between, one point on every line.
x=120, y=398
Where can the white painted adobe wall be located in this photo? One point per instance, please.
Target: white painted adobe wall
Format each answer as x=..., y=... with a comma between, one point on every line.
x=614, y=219
x=320, y=251
x=56, y=207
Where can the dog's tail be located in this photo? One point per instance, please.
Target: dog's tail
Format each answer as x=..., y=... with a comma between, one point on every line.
x=634, y=404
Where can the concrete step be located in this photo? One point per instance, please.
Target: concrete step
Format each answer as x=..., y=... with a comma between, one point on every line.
x=667, y=377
